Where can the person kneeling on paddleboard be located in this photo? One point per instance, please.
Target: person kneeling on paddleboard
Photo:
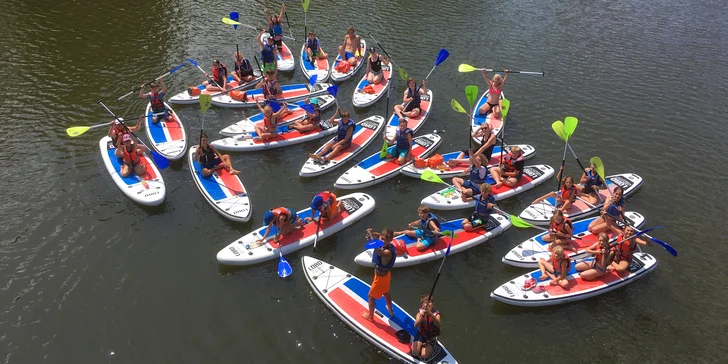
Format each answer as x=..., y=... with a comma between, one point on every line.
x=268, y=54
x=478, y=173
x=591, y=184
x=311, y=121
x=326, y=204
x=313, y=48
x=243, y=69
x=483, y=208
x=495, y=88
x=374, y=66
x=410, y=107
x=613, y=209
x=402, y=141
x=428, y=326
x=210, y=159
x=269, y=128
x=118, y=130
x=565, y=196
x=383, y=259
x=132, y=156
x=510, y=168
x=560, y=232
x=427, y=228
x=284, y=219
x=601, y=264
x=487, y=143
x=351, y=49
x=342, y=141
x=557, y=268
x=271, y=87
x=625, y=248
x=156, y=98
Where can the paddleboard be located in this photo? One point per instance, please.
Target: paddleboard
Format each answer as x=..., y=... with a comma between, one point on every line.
x=460, y=168
x=222, y=190
x=318, y=67
x=527, y=253
x=413, y=123
x=477, y=119
x=247, y=250
x=184, y=97
x=289, y=93
x=364, y=133
x=347, y=297
x=373, y=169
x=464, y=240
x=363, y=99
x=540, y=213
x=286, y=136
x=286, y=61
x=147, y=190
x=297, y=113
x=449, y=198
x=512, y=291
x=168, y=138
x=337, y=76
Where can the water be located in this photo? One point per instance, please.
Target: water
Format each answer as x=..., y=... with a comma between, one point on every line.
x=88, y=272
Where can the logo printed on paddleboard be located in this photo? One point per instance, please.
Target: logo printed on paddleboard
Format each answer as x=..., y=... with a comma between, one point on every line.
x=351, y=205
x=425, y=142
x=235, y=251
x=621, y=182
x=315, y=265
x=533, y=172
x=505, y=288
x=369, y=125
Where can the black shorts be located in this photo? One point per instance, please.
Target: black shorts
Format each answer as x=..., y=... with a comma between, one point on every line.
x=411, y=107
x=212, y=164
x=278, y=43
x=475, y=216
x=487, y=153
x=590, y=189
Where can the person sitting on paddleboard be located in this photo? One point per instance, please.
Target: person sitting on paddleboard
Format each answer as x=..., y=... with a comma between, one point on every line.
x=219, y=76
x=375, y=73
x=132, y=156
x=326, y=204
x=623, y=251
x=313, y=48
x=591, y=183
x=510, y=168
x=483, y=208
x=118, y=130
x=210, y=159
x=427, y=228
x=351, y=48
x=601, y=264
x=243, y=69
x=410, y=107
x=271, y=87
x=275, y=29
x=565, y=196
x=556, y=268
x=268, y=54
x=487, y=143
x=342, y=141
x=383, y=260
x=269, y=128
x=478, y=173
x=560, y=232
x=613, y=209
x=402, y=140
x=283, y=219
x=156, y=98
x=311, y=121
x=428, y=326
x=495, y=88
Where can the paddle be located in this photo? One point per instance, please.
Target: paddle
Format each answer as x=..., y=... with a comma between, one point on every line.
x=439, y=270
x=385, y=146
x=173, y=70
x=659, y=242
x=599, y=166
x=205, y=102
x=570, y=123
x=206, y=75
x=290, y=31
x=332, y=90
x=315, y=239
x=159, y=160
x=305, y=5
x=385, y=52
x=75, y=131
x=468, y=68
x=284, y=269
x=558, y=127
x=373, y=244
x=229, y=21
x=441, y=57
x=455, y=105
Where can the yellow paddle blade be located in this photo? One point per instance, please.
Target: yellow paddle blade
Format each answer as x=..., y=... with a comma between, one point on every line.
x=558, y=127
x=77, y=130
x=205, y=102
x=430, y=176
x=598, y=165
x=505, y=106
x=229, y=21
x=457, y=107
x=471, y=92
x=518, y=222
x=570, y=124
x=466, y=68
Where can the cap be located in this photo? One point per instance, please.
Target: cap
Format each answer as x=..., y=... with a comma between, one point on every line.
x=315, y=101
x=126, y=138
x=372, y=49
x=317, y=202
x=215, y=61
x=268, y=218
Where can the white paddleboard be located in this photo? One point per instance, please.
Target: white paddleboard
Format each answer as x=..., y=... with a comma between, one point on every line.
x=146, y=190
x=319, y=67
x=337, y=76
x=413, y=123
x=477, y=119
x=363, y=99
x=286, y=61
x=184, y=97
x=448, y=172
x=289, y=93
x=168, y=138
x=286, y=136
x=297, y=113
x=222, y=190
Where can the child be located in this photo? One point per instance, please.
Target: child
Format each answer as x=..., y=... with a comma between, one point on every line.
x=428, y=325
x=602, y=260
x=427, y=228
x=560, y=232
x=383, y=260
x=557, y=268
x=402, y=141
x=483, y=208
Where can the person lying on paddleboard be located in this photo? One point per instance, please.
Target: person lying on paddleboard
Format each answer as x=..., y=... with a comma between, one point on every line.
x=132, y=156
x=284, y=219
x=269, y=128
x=557, y=268
x=591, y=183
x=156, y=97
x=601, y=264
x=243, y=69
x=483, y=207
x=623, y=251
x=210, y=159
x=613, y=209
x=118, y=130
x=565, y=196
x=268, y=54
x=510, y=168
x=383, y=260
x=344, y=134
x=275, y=29
x=478, y=173
x=271, y=87
x=428, y=325
x=402, y=140
x=487, y=143
x=427, y=228
x=326, y=204
x=495, y=88
x=410, y=107
x=375, y=74
x=351, y=48
x=311, y=121
x=560, y=232
x=313, y=48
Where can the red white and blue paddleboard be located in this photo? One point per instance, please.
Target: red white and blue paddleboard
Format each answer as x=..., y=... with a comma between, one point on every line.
x=318, y=67
x=413, y=123
x=297, y=113
x=347, y=297
x=337, y=76
x=146, y=190
x=363, y=99
x=286, y=61
x=460, y=168
x=167, y=137
x=222, y=190
x=477, y=119
x=185, y=98
x=286, y=136
x=288, y=93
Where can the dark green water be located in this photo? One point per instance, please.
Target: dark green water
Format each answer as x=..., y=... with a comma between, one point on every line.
x=87, y=272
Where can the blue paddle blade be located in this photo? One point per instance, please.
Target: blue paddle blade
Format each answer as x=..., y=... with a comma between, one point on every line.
x=447, y=252
x=313, y=79
x=373, y=244
x=284, y=269
x=665, y=245
x=193, y=62
x=442, y=56
x=274, y=105
x=160, y=161
x=234, y=16
x=308, y=107
x=176, y=68
x=333, y=90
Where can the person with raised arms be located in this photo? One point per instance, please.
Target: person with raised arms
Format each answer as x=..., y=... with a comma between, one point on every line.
x=613, y=209
x=132, y=156
x=428, y=326
x=564, y=196
x=624, y=249
x=483, y=207
x=487, y=143
x=478, y=173
x=601, y=264
x=210, y=159
x=275, y=29
x=268, y=54
x=326, y=204
x=344, y=134
x=402, y=140
x=510, y=168
x=374, y=73
x=219, y=75
x=427, y=228
x=243, y=69
x=350, y=51
x=156, y=97
x=269, y=128
x=271, y=87
x=311, y=121
x=118, y=130
x=284, y=219
x=411, y=100
x=557, y=268
x=495, y=87
x=383, y=259
x=560, y=232
x=591, y=183
x=313, y=48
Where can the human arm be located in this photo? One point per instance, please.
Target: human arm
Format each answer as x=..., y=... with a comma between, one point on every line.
x=409, y=150
x=505, y=78
x=518, y=169
x=485, y=77
x=283, y=10
x=550, y=194
x=164, y=87
x=434, y=227
x=405, y=98
x=260, y=39
x=142, y=95
x=423, y=88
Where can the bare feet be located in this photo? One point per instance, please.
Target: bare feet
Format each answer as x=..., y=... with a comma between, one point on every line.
x=366, y=316
x=543, y=277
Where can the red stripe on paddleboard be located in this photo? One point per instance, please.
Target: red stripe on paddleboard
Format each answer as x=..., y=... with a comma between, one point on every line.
x=441, y=243
x=231, y=182
x=579, y=206
x=287, y=94
x=308, y=230
x=391, y=165
x=589, y=239
x=322, y=64
x=522, y=181
x=174, y=128
x=424, y=108
x=285, y=53
x=578, y=285
x=358, y=140
x=495, y=123
x=150, y=174
x=378, y=87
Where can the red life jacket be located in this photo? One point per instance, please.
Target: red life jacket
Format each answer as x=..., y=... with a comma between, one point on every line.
x=561, y=227
x=269, y=123
x=557, y=263
x=132, y=157
x=278, y=211
x=157, y=101
x=623, y=250
x=568, y=194
x=509, y=161
x=218, y=76
x=427, y=328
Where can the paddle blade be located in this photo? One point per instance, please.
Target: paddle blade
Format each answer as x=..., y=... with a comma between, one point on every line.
x=471, y=92
x=332, y=90
x=229, y=21
x=313, y=79
x=234, y=16
x=598, y=165
x=77, y=130
x=430, y=176
x=385, y=148
x=373, y=244
x=309, y=108
x=194, y=63
x=455, y=105
x=558, y=127
x=161, y=162
x=518, y=222
x=466, y=68
x=665, y=245
x=570, y=123
x=505, y=106
x=403, y=74
x=305, y=4
x=442, y=56
x=205, y=102
x=284, y=269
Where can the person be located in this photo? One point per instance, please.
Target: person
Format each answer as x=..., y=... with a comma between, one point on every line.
x=427, y=228
x=591, y=183
x=275, y=28
x=402, y=140
x=557, y=268
x=383, y=260
x=495, y=88
x=601, y=264
x=118, y=130
x=285, y=220
x=478, y=173
x=374, y=72
x=483, y=207
x=487, y=143
x=326, y=204
x=132, y=156
x=560, y=232
x=210, y=159
x=243, y=69
x=410, y=107
x=313, y=48
x=271, y=87
x=269, y=128
x=564, y=196
x=428, y=326
x=613, y=209
x=344, y=134
x=351, y=48
x=624, y=249
x=156, y=98
x=217, y=82
x=510, y=168
x=311, y=121
x=268, y=54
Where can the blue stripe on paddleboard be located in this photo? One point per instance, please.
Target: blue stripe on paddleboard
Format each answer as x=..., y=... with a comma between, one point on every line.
x=208, y=183
x=293, y=87
x=292, y=106
x=579, y=227
x=156, y=130
x=479, y=119
x=454, y=225
x=363, y=83
x=394, y=120
x=537, y=274
x=129, y=180
x=306, y=63
x=401, y=318
x=370, y=161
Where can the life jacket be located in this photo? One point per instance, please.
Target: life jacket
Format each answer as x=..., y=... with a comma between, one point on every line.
x=266, y=54
x=375, y=66
x=401, y=137
x=328, y=198
x=278, y=211
x=593, y=179
x=415, y=98
x=561, y=227
x=557, y=263
x=475, y=176
x=599, y=257
x=377, y=260
x=481, y=207
x=624, y=250
x=218, y=76
x=342, y=67
x=509, y=162
x=269, y=88
x=313, y=45
x=568, y=194
x=428, y=330
x=343, y=129
x=120, y=130
x=243, y=68
x=425, y=224
x=132, y=157
x=208, y=155
x=613, y=207
x=157, y=101
x=275, y=30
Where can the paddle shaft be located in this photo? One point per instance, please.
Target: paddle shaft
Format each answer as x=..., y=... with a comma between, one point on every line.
x=509, y=71
x=147, y=83
x=285, y=12
x=383, y=50
x=208, y=76
x=563, y=162
x=315, y=239
x=577, y=158
x=439, y=270
x=122, y=123
x=661, y=243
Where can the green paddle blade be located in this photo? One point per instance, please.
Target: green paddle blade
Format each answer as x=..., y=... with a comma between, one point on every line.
x=229, y=21
x=505, y=106
x=558, y=127
x=471, y=92
x=449, y=233
x=598, y=165
x=518, y=222
x=430, y=176
x=570, y=123
x=305, y=4
x=385, y=148
x=77, y=130
x=457, y=107
x=402, y=73
x=205, y=102
x=466, y=68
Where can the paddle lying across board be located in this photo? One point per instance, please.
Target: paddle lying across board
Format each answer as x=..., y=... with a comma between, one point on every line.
x=286, y=61
x=288, y=93
x=167, y=137
x=147, y=190
x=414, y=123
x=185, y=98
x=337, y=76
x=297, y=113
x=222, y=190
x=457, y=170
x=478, y=119
x=318, y=66
x=364, y=99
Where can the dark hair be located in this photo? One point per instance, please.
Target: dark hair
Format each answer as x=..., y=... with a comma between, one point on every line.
x=388, y=233
x=204, y=135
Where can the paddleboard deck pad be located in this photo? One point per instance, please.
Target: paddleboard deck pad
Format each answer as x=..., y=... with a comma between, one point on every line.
x=286, y=136
x=288, y=93
x=184, y=98
x=477, y=119
x=318, y=67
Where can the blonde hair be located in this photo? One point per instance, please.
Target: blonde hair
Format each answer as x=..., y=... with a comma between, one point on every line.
x=603, y=237
x=558, y=250
x=497, y=79
x=485, y=188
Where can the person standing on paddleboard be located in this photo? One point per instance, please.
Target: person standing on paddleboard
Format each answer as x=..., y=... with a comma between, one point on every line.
x=275, y=28
x=427, y=228
x=601, y=264
x=613, y=209
x=557, y=268
x=560, y=232
x=410, y=107
x=478, y=173
x=623, y=251
x=483, y=208
x=428, y=326
x=510, y=168
x=243, y=69
x=487, y=143
x=383, y=259
x=311, y=121
x=269, y=128
x=351, y=48
x=156, y=98
x=326, y=204
x=591, y=183
x=271, y=87
x=495, y=87
x=118, y=130
x=283, y=219
x=132, y=156
x=313, y=48
x=344, y=134
x=375, y=74
x=268, y=54
x=565, y=196
x=402, y=140
x=210, y=159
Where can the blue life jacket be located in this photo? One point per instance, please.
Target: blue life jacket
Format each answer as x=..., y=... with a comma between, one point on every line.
x=267, y=53
x=402, y=142
x=475, y=176
x=612, y=209
x=594, y=179
x=343, y=128
x=313, y=45
x=481, y=207
x=377, y=260
x=425, y=225
x=276, y=30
